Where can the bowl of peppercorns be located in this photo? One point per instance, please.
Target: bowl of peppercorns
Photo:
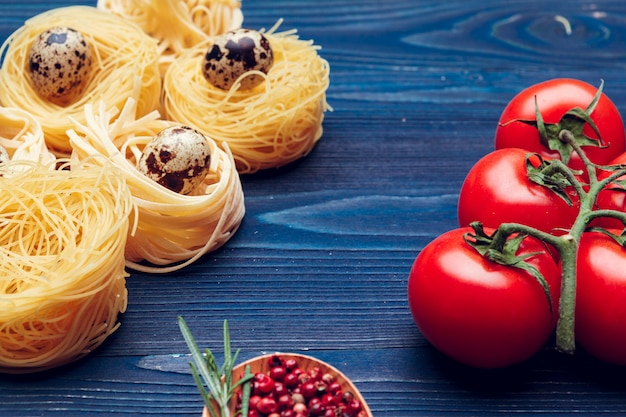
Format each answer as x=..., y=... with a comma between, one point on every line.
x=295, y=385
x=271, y=385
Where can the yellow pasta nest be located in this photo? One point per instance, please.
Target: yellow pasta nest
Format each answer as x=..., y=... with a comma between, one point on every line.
x=178, y=24
x=125, y=59
x=21, y=135
x=62, y=277
x=270, y=125
x=172, y=230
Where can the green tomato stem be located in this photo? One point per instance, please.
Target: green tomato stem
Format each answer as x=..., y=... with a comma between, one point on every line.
x=567, y=246
x=621, y=216
x=567, y=243
x=565, y=334
x=507, y=229
x=568, y=137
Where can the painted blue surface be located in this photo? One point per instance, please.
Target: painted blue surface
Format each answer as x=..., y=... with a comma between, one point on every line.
x=321, y=260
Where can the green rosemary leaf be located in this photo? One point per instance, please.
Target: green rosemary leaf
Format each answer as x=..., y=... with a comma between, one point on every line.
x=245, y=390
x=206, y=397
x=218, y=380
x=195, y=352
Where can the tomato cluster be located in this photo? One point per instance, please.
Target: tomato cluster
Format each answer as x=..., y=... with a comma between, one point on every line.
x=539, y=243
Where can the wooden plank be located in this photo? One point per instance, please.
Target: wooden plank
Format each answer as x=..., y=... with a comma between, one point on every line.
x=321, y=260
x=401, y=382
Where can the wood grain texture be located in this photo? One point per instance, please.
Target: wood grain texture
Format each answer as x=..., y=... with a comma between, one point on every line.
x=320, y=263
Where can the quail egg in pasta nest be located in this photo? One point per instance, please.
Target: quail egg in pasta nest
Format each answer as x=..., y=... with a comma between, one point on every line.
x=234, y=54
x=178, y=158
x=59, y=64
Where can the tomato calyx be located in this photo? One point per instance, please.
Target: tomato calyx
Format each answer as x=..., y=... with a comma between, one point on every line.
x=615, y=183
x=504, y=252
x=572, y=123
x=552, y=174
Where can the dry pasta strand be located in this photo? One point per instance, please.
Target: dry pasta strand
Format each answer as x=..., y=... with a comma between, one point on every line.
x=21, y=135
x=62, y=276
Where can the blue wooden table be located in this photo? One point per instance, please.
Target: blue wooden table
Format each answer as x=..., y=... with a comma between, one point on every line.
x=320, y=262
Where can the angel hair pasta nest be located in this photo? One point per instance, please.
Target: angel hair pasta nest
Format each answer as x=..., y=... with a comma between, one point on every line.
x=125, y=63
x=173, y=230
x=177, y=25
x=62, y=277
x=268, y=126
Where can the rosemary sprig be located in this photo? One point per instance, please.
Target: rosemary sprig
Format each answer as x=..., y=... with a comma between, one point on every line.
x=216, y=384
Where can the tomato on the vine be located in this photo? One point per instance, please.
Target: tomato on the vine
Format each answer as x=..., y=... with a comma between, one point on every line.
x=554, y=98
x=479, y=312
x=497, y=190
x=491, y=299
x=601, y=297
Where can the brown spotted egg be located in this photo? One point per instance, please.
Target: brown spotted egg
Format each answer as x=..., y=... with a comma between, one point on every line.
x=59, y=64
x=233, y=54
x=177, y=158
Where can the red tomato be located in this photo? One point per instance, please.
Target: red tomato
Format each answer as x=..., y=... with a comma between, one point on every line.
x=601, y=298
x=554, y=98
x=611, y=199
x=497, y=190
x=478, y=312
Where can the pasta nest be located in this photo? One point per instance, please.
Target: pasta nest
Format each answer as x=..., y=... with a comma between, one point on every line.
x=188, y=22
x=173, y=230
x=124, y=59
x=62, y=275
x=21, y=135
x=268, y=126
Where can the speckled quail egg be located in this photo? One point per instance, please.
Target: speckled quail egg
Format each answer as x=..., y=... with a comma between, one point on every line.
x=235, y=53
x=59, y=64
x=177, y=158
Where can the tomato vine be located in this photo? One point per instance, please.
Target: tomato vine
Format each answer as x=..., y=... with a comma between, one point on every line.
x=556, y=175
x=532, y=209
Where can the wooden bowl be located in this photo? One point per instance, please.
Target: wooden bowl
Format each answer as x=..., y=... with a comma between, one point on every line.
x=261, y=364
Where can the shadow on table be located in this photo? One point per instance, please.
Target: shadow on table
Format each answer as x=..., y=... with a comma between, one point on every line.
x=546, y=370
